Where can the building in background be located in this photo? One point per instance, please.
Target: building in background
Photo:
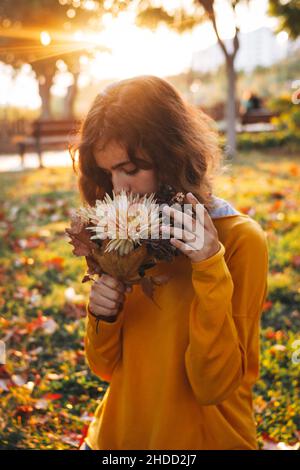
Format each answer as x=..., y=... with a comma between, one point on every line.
x=257, y=48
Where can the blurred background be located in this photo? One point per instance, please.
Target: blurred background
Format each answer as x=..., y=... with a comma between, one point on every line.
x=236, y=60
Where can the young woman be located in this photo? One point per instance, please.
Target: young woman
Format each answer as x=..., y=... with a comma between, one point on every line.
x=180, y=377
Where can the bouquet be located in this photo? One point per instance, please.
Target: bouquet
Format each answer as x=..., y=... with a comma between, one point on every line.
x=114, y=236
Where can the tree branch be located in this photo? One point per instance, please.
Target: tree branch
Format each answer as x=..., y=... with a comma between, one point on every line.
x=212, y=17
x=236, y=42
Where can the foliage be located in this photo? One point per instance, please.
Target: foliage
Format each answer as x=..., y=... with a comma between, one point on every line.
x=287, y=124
x=289, y=118
x=23, y=21
x=41, y=32
x=288, y=13
x=286, y=139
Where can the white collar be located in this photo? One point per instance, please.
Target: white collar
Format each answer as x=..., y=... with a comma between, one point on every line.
x=221, y=208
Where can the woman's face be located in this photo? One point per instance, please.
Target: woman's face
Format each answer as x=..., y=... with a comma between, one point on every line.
x=114, y=161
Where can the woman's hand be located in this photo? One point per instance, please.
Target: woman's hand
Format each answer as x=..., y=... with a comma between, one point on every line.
x=199, y=245
x=107, y=297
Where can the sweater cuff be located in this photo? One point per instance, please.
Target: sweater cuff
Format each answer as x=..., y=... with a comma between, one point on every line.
x=108, y=319
x=212, y=282
x=97, y=325
x=205, y=263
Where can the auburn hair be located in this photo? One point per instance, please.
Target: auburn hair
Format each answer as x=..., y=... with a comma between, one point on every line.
x=159, y=129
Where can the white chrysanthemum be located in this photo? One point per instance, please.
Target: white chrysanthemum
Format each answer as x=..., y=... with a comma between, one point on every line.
x=126, y=219
x=86, y=213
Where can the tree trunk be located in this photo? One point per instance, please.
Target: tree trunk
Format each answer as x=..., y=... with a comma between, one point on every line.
x=45, y=71
x=231, y=106
x=45, y=83
x=70, y=98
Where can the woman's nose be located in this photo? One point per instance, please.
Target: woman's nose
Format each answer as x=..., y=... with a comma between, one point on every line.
x=119, y=183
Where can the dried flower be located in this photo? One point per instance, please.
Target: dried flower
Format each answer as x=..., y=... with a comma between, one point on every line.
x=123, y=244
x=126, y=220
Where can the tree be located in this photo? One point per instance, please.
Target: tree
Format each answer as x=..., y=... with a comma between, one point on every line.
x=182, y=20
x=288, y=13
x=40, y=32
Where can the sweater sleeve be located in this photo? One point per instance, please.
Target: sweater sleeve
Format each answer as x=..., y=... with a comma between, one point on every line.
x=224, y=320
x=103, y=349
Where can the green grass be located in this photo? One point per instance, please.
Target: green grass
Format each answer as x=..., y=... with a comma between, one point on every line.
x=48, y=395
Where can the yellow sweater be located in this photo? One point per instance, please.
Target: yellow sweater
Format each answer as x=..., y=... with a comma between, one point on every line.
x=181, y=377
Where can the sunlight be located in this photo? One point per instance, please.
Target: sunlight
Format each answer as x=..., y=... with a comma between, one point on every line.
x=122, y=50
x=137, y=51
x=282, y=37
x=45, y=38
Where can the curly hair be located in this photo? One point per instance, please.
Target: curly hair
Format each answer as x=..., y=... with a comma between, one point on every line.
x=151, y=118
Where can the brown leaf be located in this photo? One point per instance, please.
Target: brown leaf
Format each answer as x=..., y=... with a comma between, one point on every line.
x=77, y=224
x=81, y=241
x=147, y=286
x=93, y=266
x=161, y=279
x=125, y=268
x=86, y=278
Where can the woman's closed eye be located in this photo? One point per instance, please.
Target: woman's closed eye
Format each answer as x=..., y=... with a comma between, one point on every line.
x=132, y=172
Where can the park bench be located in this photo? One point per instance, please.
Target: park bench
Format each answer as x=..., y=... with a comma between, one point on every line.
x=258, y=120
x=257, y=116
x=254, y=121
x=46, y=135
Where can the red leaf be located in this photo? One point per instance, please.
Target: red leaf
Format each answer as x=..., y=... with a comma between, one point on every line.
x=4, y=374
x=296, y=261
x=267, y=305
x=83, y=434
x=52, y=396
x=55, y=263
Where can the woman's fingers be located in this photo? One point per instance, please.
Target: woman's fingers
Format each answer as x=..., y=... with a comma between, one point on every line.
x=107, y=296
x=108, y=293
x=174, y=232
x=182, y=246
x=100, y=310
x=187, y=221
x=180, y=218
x=111, y=283
x=98, y=298
x=194, y=232
x=208, y=223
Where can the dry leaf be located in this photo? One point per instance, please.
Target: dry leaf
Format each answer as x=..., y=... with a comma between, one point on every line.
x=124, y=268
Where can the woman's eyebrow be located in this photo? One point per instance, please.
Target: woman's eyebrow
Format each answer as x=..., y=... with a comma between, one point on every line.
x=121, y=164
x=118, y=165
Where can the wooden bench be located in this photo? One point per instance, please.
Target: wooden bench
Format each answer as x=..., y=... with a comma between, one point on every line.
x=257, y=116
x=257, y=120
x=46, y=135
